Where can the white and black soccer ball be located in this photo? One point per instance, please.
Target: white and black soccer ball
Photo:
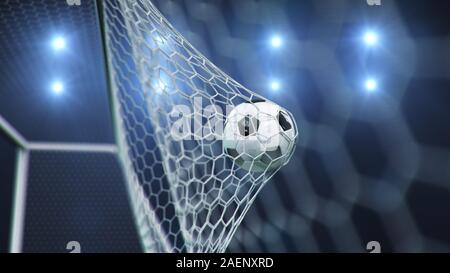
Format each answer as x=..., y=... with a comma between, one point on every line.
x=259, y=136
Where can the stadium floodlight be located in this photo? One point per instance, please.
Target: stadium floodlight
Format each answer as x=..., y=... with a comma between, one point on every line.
x=371, y=85
x=190, y=191
x=275, y=85
x=58, y=43
x=57, y=87
x=276, y=41
x=370, y=38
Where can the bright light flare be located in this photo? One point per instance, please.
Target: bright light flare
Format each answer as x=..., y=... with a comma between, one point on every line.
x=276, y=41
x=275, y=85
x=370, y=38
x=160, y=86
x=59, y=43
x=57, y=87
x=371, y=85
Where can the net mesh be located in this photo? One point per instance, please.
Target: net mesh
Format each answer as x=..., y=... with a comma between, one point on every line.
x=188, y=194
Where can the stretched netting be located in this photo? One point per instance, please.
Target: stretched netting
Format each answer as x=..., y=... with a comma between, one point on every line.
x=188, y=194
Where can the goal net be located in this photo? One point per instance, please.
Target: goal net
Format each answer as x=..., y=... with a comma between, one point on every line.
x=168, y=100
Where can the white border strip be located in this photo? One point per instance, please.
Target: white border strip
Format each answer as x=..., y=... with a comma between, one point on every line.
x=19, y=201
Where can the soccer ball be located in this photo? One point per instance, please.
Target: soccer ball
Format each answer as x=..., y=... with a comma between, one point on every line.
x=259, y=136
